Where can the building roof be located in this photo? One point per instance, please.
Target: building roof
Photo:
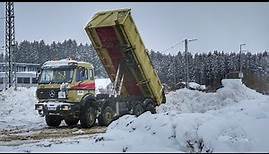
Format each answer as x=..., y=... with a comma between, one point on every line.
x=22, y=64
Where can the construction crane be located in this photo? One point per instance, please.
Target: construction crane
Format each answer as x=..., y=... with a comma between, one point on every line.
x=10, y=69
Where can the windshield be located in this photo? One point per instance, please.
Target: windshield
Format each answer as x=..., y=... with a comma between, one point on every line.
x=56, y=75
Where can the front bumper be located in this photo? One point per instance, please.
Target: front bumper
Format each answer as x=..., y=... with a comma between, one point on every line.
x=56, y=108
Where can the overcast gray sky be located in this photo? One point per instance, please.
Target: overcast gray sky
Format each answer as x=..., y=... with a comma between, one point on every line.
x=217, y=26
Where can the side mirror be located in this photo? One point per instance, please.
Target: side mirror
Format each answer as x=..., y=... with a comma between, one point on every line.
x=38, y=74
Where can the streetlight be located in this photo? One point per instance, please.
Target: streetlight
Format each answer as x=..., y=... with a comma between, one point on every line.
x=240, y=63
x=186, y=50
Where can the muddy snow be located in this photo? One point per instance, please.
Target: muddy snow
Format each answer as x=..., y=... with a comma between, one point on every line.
x=233, y=119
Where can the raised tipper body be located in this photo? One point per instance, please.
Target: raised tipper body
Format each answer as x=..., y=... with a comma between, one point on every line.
x=116, y=40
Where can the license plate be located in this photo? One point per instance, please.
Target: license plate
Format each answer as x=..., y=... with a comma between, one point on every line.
x=61, y=94
x=52, y=108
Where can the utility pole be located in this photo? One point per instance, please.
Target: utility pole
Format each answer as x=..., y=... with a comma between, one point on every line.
x=10, y=71
x=240, y=62
x=175, y=71
x=187, y=60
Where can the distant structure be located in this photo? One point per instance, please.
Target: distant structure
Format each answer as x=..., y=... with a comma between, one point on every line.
x=232, y=75
x=25, y=76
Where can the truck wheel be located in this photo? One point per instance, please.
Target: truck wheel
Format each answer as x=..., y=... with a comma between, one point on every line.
x=138, y=109
x=71, y=121
x=150, y=107
x=107, y=116
x=87, y=117
x=100, y=121
x=53, y=120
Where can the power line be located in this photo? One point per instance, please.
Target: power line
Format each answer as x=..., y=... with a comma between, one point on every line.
x=171, y=47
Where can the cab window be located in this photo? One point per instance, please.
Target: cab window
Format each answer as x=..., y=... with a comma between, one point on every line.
x=91, y=76
x=82, y=74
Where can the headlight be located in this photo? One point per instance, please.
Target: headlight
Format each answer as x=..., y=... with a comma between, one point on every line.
x=65, y=107
x=39, y=107
x=61, y=94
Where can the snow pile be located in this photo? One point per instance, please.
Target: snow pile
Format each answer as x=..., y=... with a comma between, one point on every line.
x=18, y=108
x=195, y=85
x=235, y=118
x=147, y=132
x=190, y=101
x=235, y=90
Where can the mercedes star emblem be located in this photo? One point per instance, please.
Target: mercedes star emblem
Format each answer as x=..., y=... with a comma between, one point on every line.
x=52, y=93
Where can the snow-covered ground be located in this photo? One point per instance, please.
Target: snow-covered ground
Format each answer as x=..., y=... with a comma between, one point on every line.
x=234, y=119
x=18, y=109
x=101, y=84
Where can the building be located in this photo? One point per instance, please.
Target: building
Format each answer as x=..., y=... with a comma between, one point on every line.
x=22, y=67
x=25, y=74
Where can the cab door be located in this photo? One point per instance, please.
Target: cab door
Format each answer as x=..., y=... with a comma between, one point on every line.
x=84, y=83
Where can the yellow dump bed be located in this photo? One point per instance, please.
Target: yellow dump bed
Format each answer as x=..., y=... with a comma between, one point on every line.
x=117, y=41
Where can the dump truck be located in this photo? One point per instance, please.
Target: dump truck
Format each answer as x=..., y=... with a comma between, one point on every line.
x=136, y=85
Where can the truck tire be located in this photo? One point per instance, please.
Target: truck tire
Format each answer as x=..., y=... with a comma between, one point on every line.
x=107, y=116
x=71, y=121
x=87, y=117
x=150, y=107
x=138, y=109
x=53, y=120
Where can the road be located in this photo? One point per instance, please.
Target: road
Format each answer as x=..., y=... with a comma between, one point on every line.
x=17, y=136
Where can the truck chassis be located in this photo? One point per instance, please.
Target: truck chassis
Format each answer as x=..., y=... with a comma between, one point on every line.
x=103, y=107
